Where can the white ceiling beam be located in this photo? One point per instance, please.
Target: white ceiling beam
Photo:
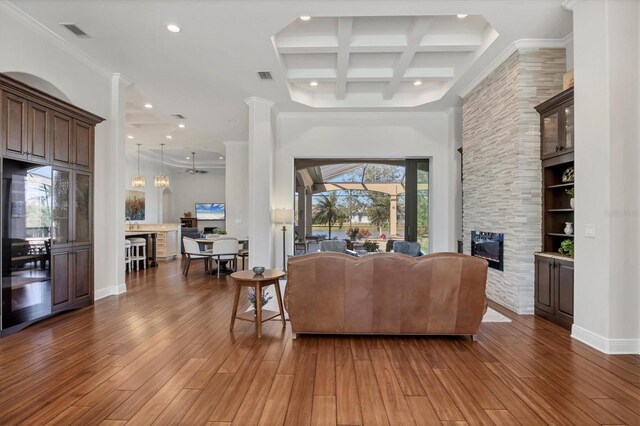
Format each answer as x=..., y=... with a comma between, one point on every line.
x=345, y=25
x=311, y=74
x=431, y=72
x=415, y=34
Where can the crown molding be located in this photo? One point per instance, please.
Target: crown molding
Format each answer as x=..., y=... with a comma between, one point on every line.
x=15, y=12
x=569, y=4
x=527, y=43
x=358, y=114
x=256, y=99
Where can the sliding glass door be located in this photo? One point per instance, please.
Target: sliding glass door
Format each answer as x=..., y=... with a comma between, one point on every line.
x=417, y=202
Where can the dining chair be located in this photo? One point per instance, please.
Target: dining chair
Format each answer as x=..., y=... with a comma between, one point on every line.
x=192, y=251
x=225, y=250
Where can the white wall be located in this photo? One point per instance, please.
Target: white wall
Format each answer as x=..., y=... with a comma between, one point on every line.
x=607, y=105
x=188, y=189
x=237, y=184
x=153, y=195
x=26, y=47
x=371, y=135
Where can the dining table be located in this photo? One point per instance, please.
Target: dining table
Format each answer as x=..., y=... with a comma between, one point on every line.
x=222, y=264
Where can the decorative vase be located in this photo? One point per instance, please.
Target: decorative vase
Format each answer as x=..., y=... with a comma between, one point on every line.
x=568, y=228
x=571, y=203
x=258, y=270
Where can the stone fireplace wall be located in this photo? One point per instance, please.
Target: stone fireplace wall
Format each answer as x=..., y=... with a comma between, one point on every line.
x=501, y=162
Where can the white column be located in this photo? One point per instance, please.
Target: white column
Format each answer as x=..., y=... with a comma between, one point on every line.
x=109, y=184
x=261, y=150
x=607, y=111
x=237, y=187
x=454, y=116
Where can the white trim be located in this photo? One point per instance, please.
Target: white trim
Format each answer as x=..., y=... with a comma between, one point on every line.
x=14, y=11
x=357, y=114
x=607, y=346
x=527, y=43
x=110, y=291
x=569, y=4
x=257, y=99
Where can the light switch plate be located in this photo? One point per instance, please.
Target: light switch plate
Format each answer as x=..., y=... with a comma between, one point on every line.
x=590, y=230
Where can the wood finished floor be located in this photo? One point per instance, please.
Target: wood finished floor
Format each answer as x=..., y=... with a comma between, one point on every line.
x=162, y=354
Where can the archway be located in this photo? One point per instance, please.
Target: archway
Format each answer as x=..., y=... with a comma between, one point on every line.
x=38, y=83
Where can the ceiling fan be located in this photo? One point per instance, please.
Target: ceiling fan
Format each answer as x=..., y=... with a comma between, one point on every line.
x=193, y=169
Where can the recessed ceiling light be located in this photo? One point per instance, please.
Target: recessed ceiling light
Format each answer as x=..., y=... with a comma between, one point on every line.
x=313, y=84
x=173, y=28
x=222, y=158
x=169, y=137
x=305, y=18
x=148, y=106
x=461, y=15
x=129, y=137
x=181, y=125
x=188, y=158
x=417, y=83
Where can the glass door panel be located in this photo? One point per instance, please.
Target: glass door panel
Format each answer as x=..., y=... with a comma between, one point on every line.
x=550, y=142
x=568, y=113
x=423, y=205
x=26, y=246
x=61, y=232
x=82, y=215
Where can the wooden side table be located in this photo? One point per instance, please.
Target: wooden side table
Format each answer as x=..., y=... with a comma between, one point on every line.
x=258, y=282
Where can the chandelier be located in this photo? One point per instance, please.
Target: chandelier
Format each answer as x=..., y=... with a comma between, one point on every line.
x=161, y=180
x=138, y=181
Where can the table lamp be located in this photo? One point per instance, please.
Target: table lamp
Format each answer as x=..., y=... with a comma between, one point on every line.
x=283, y=216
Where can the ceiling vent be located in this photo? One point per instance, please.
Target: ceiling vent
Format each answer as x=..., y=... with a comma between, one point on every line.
x=178, y=116
x=76, y=30
x=265, y=75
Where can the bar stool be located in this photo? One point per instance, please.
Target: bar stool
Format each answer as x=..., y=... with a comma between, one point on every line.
x=139, y=247
x=127, y=255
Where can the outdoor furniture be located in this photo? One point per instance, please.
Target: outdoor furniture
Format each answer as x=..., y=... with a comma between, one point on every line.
x=257, y=282
x=336, y=246
x=409, y=248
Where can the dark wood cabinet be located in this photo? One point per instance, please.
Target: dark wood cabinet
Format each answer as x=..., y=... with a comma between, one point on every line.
x=72, y=278
x=554, y=273
x=557, y=125
x=38, y=128
x=554, y=289
x=189, y=222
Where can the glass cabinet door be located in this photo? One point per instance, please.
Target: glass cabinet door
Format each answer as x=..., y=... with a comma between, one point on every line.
x=550, y=139
x=60, y=229
x=82, y=216
x=569, y=130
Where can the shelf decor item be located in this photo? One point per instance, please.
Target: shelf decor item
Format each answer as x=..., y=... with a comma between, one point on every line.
x=568, y=175
x=568, y=228
x=571, y=193
x=566, y=247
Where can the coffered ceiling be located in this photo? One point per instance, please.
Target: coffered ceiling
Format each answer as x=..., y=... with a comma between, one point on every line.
x=374, y=61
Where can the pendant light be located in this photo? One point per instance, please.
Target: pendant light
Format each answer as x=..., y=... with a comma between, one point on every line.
x=161, y=180
x=138, y=181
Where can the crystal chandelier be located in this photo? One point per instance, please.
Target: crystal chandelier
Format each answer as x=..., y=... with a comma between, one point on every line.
x=138, y=181
x=161, y=180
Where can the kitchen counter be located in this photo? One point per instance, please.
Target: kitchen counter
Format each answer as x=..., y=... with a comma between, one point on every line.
x=166, y=237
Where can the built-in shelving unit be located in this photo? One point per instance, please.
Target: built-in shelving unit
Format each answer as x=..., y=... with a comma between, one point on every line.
x=554, y=272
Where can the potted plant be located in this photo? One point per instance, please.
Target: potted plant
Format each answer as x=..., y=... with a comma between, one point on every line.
x=363, y=234
x=352, y=233
x=370, y=246
x=566, y=247
x=571, y=193
x=264, y=297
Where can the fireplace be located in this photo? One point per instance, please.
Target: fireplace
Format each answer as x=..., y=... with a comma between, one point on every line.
x=488, y=246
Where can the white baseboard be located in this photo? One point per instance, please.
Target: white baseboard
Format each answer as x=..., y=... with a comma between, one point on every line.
x=110, y=291
x=608, y=346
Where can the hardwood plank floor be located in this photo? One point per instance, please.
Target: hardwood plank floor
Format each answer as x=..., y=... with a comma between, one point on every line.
x=162, y=354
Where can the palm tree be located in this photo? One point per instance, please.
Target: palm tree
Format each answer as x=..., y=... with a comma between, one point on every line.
x=378, y=211
x=329, y=212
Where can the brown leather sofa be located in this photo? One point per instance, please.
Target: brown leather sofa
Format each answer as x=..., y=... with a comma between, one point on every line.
x=386, y=293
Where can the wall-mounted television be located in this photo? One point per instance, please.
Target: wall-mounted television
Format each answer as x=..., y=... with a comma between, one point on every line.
x=210, y=211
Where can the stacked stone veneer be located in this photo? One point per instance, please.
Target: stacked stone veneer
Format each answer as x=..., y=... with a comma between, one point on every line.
x=501, y=162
